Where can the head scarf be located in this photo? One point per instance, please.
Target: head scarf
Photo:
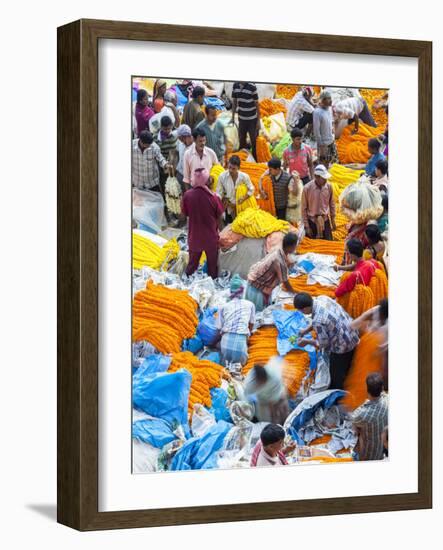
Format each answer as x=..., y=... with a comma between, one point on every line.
x=184, y=130
x=200, y=179
x=237, y=286
x=157, y=85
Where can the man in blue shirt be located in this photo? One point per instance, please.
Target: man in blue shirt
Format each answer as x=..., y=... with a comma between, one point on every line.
x=374, y=149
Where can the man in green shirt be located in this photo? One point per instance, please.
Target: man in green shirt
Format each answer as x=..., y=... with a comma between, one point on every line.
x=214, y=132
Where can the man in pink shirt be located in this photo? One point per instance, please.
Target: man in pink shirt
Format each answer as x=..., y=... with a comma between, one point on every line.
x=318, y=206
x=204, y=210
x=298, y=157
x=198, y=156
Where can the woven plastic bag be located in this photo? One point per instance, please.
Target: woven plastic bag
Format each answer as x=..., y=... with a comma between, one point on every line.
x=361, y=201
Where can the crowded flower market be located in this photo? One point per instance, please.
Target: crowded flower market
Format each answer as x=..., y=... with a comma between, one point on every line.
x=260, y=261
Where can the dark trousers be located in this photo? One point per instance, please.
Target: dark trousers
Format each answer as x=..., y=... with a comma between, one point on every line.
x=248, y=127
x=281, y=213
x=327, y=233
x=339, y=365
x=211, y=258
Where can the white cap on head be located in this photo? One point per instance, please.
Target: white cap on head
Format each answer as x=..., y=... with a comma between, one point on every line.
x=321, y=171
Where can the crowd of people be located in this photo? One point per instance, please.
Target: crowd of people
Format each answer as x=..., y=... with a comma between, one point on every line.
x=187, y=142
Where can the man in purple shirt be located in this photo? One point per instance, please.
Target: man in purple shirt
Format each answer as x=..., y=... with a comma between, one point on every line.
x=204, y=210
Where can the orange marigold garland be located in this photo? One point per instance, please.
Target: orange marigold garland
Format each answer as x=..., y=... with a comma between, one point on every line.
x=367, y=359
x=299, y=284
x=263, y=151
x=322, y=246
x=263, y=345
x=269, y=107
x=205, y=375
x=353, y=148
x=164, y=317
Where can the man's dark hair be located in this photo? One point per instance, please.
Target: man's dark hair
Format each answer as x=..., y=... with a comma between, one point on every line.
x=260, y=373
x=198, y=132
x=141, y=94
x=235, y=160
x=382, y=165
x=209, y=108
x=302, y=300
x=373, y=143
x=383, y=305
x=290, y=240
x=274, y=163
x=385, y=201
x=296, y=132
x=272, y=433
x=355, y=247
x=373, y=233
x=146, y=137
x=197, y=92
x=165, y=121
x=374, y=384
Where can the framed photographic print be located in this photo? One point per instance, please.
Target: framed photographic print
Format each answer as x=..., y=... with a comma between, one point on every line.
x=226, y=256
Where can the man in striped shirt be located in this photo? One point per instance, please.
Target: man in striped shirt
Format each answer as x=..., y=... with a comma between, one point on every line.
x=245, y=102
x=370, y=419
x=214, y=132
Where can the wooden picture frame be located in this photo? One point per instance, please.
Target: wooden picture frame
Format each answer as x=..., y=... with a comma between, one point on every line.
x=77, y=457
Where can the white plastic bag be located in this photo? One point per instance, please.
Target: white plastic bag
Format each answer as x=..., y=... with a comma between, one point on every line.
x=202, y=421
x=148, y=208
x=144, y=457
x=273, y=127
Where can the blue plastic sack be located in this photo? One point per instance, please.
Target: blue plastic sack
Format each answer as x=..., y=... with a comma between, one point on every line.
x=306, y=265
x=162, y=395
x=215, y=357
x=306, y=410
x=207, y=328
x=181, y=98
x=219, y=408
x=200, y=453
x=194, y=345
x=215, y=102
x=155, y=431
x=156, y=363
x=289, y=324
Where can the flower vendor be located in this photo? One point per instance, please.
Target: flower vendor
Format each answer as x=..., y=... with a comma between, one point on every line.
x=362, y=270
x=318, y=205
x=298, y=157
x=228, y=183
x=270, y=450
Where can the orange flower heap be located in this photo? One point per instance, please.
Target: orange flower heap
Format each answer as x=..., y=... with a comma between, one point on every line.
x=263, y=151
x=299, y=284
x=269, y=107
x=263, y=346
x=353, y=148
x=164, y=317
x=363, y=297
x=322, y=246
x=367, y=359
x=205, y=375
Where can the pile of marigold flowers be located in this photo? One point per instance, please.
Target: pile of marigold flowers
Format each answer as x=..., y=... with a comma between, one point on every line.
x=363, y=297
x=269, y=107
x=367, y=359
x=300, y=284
x=322, y=246
x=353, y=148
x=379, y=114
x=263, y=345
x=205, y=375
x=164, y=317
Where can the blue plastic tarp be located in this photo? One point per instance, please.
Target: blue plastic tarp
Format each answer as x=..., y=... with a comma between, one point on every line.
x=156, y=363
x=194, y=345
x=215, y=102
x=200, y=453
x=219, y=408
x=155, y=431
x=306, y=410
x=289, y=324
x=162, y=395
x=207, y=329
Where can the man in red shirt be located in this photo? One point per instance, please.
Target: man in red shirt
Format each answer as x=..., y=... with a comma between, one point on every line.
x=362, y=270
x=204, y=210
